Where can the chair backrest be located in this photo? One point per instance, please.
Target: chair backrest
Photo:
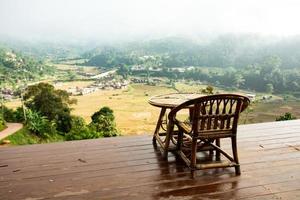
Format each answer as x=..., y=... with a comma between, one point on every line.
x=217, y=113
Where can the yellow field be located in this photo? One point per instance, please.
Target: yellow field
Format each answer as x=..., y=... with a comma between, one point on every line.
x=133, y=113
x=135, y=116
x=91, y=69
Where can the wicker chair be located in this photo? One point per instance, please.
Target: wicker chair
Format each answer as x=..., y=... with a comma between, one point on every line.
x=211, y=119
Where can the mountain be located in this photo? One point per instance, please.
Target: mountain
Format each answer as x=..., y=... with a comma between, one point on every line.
x=224, y=51
x=15, y=67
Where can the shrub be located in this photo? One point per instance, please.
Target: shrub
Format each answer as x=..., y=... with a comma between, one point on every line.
x=103, y=121
x=286, y=116
x=8, y=114
x=11, y=115
x=63, y=121
x=19, y=114
x=208, y=90
x=40, y=125
x=79, y=130
x=2, y=123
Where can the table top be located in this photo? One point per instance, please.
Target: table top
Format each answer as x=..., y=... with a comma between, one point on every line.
x=172, y=100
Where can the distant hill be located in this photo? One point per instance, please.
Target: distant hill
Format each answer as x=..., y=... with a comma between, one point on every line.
x=236, y=51
x=15, y=67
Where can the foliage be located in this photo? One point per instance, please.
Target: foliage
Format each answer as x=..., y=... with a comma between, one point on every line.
x=208, y=90
x=124, y=70
x=246, y=62
x=40, y=125
x=51, y=103
x=269, y=88
x=11, y=115
x=22, y=137
x=71, y=75
x=2, y=123
x=25, y=136
x=286, y=116
x=80, y=130
x=15, y=66
x=8, y=114
x=19, y=114
x=103, y=121
x=48, y=109
x=110, y=57
x=63, y=121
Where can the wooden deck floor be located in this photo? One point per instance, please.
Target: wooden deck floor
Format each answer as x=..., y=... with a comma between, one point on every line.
x=130, y=168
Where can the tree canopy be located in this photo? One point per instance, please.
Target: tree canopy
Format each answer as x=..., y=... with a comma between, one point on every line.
x=50, y=102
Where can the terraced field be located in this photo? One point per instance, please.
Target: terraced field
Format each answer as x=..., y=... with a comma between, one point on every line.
x=135, y=116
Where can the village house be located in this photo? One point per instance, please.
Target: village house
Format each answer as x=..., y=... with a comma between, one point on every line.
x=102, y=85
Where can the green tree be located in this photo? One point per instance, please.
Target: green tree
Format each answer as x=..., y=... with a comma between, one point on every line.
x=208, y=90
x=80, y=130
x=2, y=123
x=123, y=70
x=269, y=88
x=71, y=75
x=51, y=103
x=104, y=121
x=238, y=80
x=8, y=114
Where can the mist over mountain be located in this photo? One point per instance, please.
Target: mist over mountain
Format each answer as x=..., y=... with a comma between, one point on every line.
x=110, y=21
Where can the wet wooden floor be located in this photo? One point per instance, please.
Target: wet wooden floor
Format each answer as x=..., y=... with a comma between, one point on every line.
x=130, y=168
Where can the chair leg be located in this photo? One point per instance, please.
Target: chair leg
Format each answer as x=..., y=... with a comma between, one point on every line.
x=193, y=157
x=218, y=154
x=179, y=139
x=158, y=124
x=167, y=140
x=154, y=140
x=166, y=149
x=211, y=152
x=193, y=173
x=235, y=156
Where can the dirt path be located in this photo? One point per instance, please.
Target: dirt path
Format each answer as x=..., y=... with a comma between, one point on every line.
x=11, y=128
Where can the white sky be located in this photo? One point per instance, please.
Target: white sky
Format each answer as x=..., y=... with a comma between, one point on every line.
x=111, y=19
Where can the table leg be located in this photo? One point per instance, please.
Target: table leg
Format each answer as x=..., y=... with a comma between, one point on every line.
x=159, y=123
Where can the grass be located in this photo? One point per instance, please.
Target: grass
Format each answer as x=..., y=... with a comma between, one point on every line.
x=89, y=69
x=185, y=88
x=2, y=127
x=73, y=61
x=24, y=136
x=2, y=124
x=269, y=111
x=133, y=114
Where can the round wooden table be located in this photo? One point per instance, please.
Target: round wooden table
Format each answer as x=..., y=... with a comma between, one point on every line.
x=167, y=101
x=172, y=100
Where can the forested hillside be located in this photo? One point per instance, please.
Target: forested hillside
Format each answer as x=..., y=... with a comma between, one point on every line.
x=15, y=67
x=245, y=61
x=223, y=51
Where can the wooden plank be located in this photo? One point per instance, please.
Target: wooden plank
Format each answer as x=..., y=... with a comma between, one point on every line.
x=130, y=168
x=77, y=166
x=186, y=182
x=97, y=159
